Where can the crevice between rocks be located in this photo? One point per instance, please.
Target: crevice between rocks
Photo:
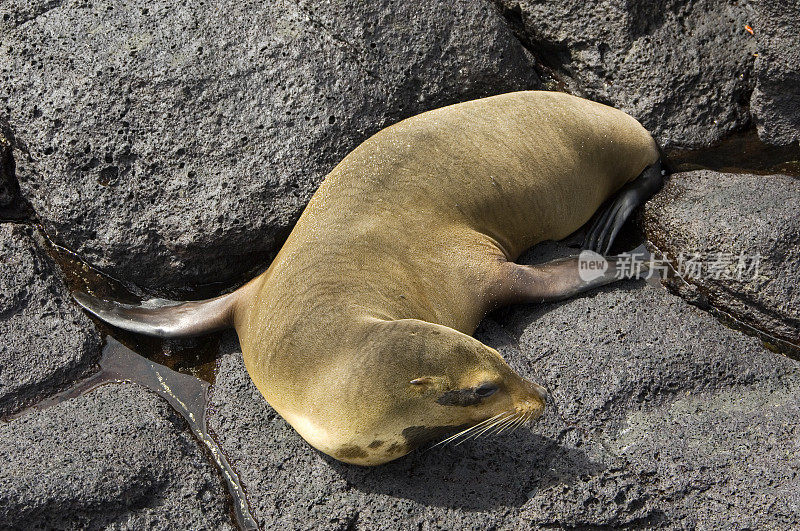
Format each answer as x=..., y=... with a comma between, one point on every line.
x=549, y=60
x=14, y=404
x=13, y=206
x=741, y=151
x=187, y=397
x=74, y=381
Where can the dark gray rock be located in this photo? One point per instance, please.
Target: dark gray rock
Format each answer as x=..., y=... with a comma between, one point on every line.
x=663, y=417
x=118, y=457
x=776, y=100
x=724, y=454
x=690, y=420
x=47, y=341
x=182, y=142
x=711, y=213
x=684, y=69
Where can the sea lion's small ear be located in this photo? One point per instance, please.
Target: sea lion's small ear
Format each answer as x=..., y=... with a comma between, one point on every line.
x=425, y=380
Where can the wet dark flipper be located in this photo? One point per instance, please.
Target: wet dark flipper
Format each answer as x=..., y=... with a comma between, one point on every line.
x=612, y=215
x=170, y=319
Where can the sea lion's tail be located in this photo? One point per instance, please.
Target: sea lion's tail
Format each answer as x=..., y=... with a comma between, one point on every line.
x=166, y=318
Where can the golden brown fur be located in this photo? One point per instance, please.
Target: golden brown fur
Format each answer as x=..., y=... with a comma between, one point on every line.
x=359, y=332
x=418, y=223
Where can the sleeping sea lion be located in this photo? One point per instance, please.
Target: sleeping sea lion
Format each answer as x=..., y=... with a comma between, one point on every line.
x=359, y=333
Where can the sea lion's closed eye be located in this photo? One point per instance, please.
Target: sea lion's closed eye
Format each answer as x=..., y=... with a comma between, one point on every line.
x=486, y=389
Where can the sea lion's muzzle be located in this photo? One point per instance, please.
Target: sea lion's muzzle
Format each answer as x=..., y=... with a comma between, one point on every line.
x=532, y=400
x=537, y=390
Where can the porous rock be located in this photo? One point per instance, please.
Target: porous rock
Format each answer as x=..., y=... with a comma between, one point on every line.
x=747, y=225
x=118, y=457
x=776, y=99
x=682, y=68
x=46, y=340
x=182, y=142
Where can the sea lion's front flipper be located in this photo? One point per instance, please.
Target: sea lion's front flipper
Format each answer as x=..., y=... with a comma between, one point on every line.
x=165, y=319
x=612, y=215
x=565, y=277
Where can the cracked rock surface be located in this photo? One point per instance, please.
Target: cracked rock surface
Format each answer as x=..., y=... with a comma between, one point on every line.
x=664, y=417
x=47, y=341
x=724, y=216
x=182, y=142
x=118, y=457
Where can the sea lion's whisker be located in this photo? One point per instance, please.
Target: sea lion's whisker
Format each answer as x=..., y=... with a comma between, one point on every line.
x=484, y=423
x=451, y=438
x=528, y=417
x=478, y=430
x=518, y=421
x=508, y=425
x=493, y=426
x=487, y=429
x=521, y=421
x=464, y=432
x=525, y=418
x=499, y=428
x=496, y=420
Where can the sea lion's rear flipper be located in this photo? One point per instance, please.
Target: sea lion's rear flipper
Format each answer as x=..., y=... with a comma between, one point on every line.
x=566, y=277
x=164, y=319
x=612, y=215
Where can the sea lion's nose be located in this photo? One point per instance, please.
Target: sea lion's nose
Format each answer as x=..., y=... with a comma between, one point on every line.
x=541, y=392
x=537, y=390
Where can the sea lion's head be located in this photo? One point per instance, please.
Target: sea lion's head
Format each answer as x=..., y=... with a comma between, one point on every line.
x=431, y=384
x=478, y=394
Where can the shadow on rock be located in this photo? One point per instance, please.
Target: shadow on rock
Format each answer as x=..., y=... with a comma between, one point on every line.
x=477, y=475
x=517, y=318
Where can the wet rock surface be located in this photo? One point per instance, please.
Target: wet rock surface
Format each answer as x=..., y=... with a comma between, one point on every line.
x=118, y=457
x=663, y=417
x=683, y=69
x=47, y=342
x=722, y=217
x=181, y=144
